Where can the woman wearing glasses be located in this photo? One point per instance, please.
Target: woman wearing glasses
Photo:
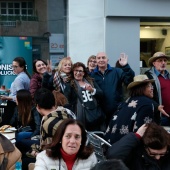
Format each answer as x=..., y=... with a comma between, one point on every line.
x=22, y=81
x=147, y=149
x=82, y=90
x=91, y=63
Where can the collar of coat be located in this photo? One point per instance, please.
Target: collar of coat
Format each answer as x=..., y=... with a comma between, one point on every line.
x=108, y=68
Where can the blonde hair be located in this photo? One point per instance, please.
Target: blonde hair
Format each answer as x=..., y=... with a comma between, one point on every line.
x=65, y=59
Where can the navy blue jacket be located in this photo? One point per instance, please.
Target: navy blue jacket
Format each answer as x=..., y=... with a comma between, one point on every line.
x=111, y=84
x=130, y=116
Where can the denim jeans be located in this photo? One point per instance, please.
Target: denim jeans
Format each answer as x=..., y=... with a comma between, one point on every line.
x=23, y=135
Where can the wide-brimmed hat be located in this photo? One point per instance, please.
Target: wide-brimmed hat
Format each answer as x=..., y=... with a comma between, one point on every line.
x=140, y=79
x=156, y=56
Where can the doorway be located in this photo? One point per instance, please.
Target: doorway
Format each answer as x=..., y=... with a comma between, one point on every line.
x=154, y=37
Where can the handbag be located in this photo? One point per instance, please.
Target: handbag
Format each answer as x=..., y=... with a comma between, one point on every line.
x=93, y=116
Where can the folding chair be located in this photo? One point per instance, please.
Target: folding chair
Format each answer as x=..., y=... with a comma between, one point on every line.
x=99, y=144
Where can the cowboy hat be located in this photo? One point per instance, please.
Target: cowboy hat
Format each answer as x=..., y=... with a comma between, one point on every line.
x=140, y=79
x=156, y=56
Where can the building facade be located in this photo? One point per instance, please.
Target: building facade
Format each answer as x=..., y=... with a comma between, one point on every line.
x=112, y=26
x=33, y=18
x=88, y=26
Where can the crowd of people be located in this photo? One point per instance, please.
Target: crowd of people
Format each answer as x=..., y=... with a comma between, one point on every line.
x=52, y=110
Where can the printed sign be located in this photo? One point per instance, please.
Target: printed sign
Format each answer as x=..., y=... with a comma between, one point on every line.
x=56, y=44
x=11, y=47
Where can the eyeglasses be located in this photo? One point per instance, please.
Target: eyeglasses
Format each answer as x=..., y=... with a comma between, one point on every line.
x=156, y=154
x=150, y=86
x=161, y=60
x=92, y=61
x=79, y=71
x=14, y=67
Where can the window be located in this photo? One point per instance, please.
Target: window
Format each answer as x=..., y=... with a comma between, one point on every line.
x=16, y=8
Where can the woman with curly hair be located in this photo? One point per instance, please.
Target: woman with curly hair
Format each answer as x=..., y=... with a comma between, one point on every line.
x=83, y=93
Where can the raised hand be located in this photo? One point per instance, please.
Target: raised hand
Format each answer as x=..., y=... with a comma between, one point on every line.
x=49, y=66
x=123, y=59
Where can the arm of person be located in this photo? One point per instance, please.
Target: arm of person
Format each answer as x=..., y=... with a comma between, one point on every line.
x=33, y=86
x=160, y=108
x=3, y=97
x=128, y=73
x=71, y=96
x=108, y=134
x=123, y=148
x=47, y=81
x=99, y=92
x=19, y=83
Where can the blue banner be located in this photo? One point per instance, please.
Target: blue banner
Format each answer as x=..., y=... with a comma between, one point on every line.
x=11, y=47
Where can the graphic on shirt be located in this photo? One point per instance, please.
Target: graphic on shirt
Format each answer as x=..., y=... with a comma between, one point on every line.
x=147, y=119
x=88, y=99
x=87, y=96
x=114, y=128
x=133, y=103
x=134, y=116
x=124, y=129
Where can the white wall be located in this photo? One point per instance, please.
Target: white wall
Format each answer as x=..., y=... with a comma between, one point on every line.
x=137, y=8
x=122, y=35
x=112, y=26
x=85, y=29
